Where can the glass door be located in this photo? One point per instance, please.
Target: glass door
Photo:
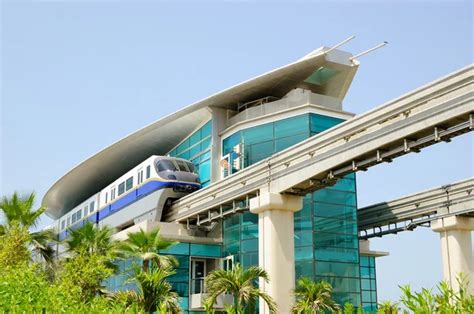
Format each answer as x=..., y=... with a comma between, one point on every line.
x=198, y=274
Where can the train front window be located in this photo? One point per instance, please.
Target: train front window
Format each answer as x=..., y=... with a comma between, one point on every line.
x=164, y=165
x=191, y=166
x=182, y=165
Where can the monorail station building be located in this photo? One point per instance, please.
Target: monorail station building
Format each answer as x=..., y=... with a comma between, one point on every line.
x=187, y=173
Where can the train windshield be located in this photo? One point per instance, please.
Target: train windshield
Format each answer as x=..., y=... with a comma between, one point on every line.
x=182, y=165
x=164, y=165
x=191, y=167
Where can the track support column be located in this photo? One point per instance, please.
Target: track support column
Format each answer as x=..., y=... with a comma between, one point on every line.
x=456, y=248
x=276, y=247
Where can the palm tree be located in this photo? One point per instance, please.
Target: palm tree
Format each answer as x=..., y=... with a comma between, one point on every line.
x=90, y=239
x=313, y=297
x=242, y=285
x=146, y=246
x=18, y=211
x=387, y=307
x=154, y=291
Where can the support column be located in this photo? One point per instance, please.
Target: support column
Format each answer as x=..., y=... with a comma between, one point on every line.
x=456, y=248
x=276, y=247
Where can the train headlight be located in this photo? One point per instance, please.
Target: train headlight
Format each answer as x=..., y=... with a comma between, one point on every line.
x=172, y=177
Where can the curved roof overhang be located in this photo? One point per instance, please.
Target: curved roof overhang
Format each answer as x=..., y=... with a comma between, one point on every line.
x=95, y=173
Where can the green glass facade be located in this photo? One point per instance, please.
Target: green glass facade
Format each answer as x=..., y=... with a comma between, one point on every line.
x=368, y=284
x=197, y=149
x=326, y=238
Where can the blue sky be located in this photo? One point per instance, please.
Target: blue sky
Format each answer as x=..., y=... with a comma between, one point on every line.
x=78, y=75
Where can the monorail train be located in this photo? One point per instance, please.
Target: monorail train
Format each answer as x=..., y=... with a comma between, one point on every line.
x=140, y=194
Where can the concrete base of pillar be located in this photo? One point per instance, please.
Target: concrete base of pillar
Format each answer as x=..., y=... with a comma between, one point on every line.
x=456, y=248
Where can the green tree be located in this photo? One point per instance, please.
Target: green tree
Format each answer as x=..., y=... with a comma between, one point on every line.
x=18, y=213
x=313, y=297
x=92, y=255
x=154, y=291
x=387, y=307
x=146, y=245
x=445, y=300
x=242, y=285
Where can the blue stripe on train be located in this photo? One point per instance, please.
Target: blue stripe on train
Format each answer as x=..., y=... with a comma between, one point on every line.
x=135, y=195
x=126, y=200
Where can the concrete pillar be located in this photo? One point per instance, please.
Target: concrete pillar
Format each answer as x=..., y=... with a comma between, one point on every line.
x=456, y=248
x=276, y=246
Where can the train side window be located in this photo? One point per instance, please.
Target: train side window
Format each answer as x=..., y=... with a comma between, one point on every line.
x=112, y=194
x=121, y=188
x=73, y=219
x=63, y=224
x=68, y=220
x=140, y=176
x=78, y=214
x=106, y=197
x=148, y=170
x=86, y=210
x=92, y=206
x=129, y=184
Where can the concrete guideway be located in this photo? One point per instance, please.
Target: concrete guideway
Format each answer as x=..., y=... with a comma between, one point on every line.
x=448, y=209
x=408, y=212
x=435, y=112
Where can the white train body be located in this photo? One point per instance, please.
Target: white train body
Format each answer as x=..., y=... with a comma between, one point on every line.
x=139, y=194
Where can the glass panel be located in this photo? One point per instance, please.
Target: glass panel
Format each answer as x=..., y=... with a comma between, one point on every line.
x=335, y=211
x=292, y=126
x=206, y=129
x=365, y=272
x=342, y=284
x=205, y=171
x=249, y=218
x=179, y=249
x=344, y=185
x=249, y=246
x=335, y=197
x=182, y=147
x=195, y=138
x=303, y=238
x=258, y=134
x=129, y=183
x=257, y=152
x=364, y=260
x=337, y=269
x=283, y=143
x=121, y=188
x=337, y=254
x=365, y=283
x=335, y=225
x=303, y=253
x=250, y=232
x=322, y=239
x=249, y=260
x=229, y=143
x=303, y=225
x=231, y=234
x=304, y=269
x=321, y=123
x=164, y=165
x=306, y=210
x=205, y=250
x=205, y=144
x=194, y=151
x=181, y=165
